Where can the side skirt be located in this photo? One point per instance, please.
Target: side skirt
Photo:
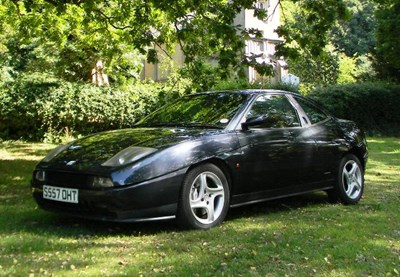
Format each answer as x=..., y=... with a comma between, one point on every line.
x=268, y=198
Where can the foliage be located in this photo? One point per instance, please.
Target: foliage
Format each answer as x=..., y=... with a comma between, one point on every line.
x=387, y=58
x=40, y=107
x=350, y=43
x=356, y=36
x=307, y=52
x=235, y=84
x=374, y=106
x=64, y=40
x=34, y=108
x=299, y=236
x=355, y=69
x=322, y=70
x=308, y=26
x=208, y=77
x=347, y=70
x=68, y=37
x=202, y=74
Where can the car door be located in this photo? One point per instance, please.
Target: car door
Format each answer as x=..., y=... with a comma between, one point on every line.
x=275, y=149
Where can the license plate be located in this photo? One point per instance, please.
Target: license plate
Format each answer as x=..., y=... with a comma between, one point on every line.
x=60, y=194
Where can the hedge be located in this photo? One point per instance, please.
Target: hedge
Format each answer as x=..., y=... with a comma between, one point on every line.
x=50, y=110
x=42, y=109
x=374, y=106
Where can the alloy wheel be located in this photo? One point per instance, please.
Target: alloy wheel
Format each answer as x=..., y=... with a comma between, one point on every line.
x=207, y=197
x=352, y=179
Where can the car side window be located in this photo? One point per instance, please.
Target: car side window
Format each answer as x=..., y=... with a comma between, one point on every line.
x=313, y=113
x=272, y=111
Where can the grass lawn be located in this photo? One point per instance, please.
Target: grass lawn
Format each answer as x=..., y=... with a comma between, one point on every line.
x=302, y=236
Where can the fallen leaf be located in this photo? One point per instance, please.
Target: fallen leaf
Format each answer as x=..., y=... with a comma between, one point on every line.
x=122, y=263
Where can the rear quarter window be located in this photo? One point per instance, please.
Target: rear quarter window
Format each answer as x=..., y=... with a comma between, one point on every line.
x=313, y=113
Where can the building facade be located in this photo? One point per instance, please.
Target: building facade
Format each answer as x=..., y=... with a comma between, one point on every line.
x=263, y=47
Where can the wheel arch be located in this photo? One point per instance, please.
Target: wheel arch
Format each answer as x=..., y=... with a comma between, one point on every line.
x=359, y=154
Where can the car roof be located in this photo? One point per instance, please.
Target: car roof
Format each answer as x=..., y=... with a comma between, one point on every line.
x=248, y=91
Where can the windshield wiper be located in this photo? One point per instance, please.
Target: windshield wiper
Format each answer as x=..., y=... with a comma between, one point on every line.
x=203, y=125
x=179, y=124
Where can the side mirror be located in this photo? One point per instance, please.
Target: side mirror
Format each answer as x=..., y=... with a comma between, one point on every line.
x=254, y=122
x=245, y=126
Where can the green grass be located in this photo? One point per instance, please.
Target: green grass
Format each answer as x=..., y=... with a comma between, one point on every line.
x=302, y=236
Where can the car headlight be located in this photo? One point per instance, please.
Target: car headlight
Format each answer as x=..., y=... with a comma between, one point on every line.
x=53, y=153
x=101, y=182
x=40, y=175
x=129, y=155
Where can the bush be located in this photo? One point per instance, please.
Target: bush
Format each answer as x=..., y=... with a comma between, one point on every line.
x=38, y=109
x=236, y=84
x=374, y=106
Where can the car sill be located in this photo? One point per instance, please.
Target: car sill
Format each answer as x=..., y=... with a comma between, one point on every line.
x=278, y=197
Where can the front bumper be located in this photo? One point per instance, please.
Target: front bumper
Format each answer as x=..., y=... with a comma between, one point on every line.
x=150, y=200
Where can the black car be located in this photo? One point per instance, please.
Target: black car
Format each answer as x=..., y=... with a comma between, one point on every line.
x=198, y=156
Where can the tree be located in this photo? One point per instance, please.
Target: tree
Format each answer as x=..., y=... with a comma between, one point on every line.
x=356, y=36
x=321, y=70
x=69, y=37
x=350, y=40
x=62, y=40
x=309, y=57
x=387, y=56
x=308, y=26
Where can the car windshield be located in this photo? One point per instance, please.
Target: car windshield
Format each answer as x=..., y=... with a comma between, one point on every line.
x=207, y=109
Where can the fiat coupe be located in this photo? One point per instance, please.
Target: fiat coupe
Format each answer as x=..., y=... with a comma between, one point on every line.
x=202, y=154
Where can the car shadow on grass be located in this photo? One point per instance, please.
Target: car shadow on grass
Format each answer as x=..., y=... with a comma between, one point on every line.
x=65, y=226
x=38, y=222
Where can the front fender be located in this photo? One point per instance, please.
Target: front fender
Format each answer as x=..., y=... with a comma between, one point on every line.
x=178, y=157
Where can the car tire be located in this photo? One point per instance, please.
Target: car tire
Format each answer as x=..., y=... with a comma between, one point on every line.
x=204, y=198
x=349, y=185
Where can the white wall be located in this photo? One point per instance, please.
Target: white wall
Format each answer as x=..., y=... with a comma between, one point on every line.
x=265, y=45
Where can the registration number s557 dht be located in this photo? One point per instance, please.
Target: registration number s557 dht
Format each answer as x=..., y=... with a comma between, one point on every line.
x=60, y=194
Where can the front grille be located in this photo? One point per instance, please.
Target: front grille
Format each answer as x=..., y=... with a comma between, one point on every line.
x=65, y=179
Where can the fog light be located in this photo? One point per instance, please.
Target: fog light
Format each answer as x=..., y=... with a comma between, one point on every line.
x=40, y=175
x=102, y=182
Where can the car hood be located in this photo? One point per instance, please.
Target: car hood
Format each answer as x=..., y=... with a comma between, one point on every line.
x=91, y=152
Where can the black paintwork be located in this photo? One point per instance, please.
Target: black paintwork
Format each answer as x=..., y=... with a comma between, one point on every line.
x=260, y=163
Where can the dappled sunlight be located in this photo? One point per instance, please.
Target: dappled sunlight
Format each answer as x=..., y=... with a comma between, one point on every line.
x=297, y=236
x=251, y=224
x=386, y=144
x=383, y=140
x=6, y=198
x=379, y=179
x=17, y=178
x=384, y=162
x=14, y=173
x=394, y=245
x=24, y=151
x=396, y=151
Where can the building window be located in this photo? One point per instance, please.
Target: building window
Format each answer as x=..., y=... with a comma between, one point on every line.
x=263, y=5
x=260, y=45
